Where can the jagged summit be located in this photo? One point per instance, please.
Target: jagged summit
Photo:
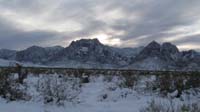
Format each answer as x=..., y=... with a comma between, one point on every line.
x=84, y=47
x=160, y=56
x=85, y=42
x=154, y=49
x=167, y=46
x=153, y=43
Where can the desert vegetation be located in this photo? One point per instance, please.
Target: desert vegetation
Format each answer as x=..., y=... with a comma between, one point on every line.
x=59, y=86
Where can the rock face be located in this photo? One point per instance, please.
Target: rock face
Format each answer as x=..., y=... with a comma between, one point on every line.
x=169, y=52
x=33, y=54
x=151, y=50
x=90, y=53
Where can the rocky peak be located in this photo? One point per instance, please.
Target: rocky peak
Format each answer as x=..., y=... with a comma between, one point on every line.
x=169, y=48
x=170, y=52
x=85, y=47
x=85, y=43
x=166, y=52
x=153, y=44
x=152, y=50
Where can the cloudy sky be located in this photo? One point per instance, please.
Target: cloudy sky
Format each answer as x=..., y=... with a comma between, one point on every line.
x=122, y=23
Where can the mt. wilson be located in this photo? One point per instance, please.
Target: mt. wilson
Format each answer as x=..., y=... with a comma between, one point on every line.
x=90, y=53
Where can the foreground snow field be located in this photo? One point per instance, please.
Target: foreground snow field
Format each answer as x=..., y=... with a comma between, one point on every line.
x=99, y=94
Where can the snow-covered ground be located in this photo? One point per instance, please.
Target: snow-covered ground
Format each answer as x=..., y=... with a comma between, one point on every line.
x=99, y=95
x=90, y=102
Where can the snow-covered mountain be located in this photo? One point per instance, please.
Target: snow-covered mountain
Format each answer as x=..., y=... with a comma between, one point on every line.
x=90, y=53
x=94, y=54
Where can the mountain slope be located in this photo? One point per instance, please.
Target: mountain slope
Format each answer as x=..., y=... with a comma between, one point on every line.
x=7, y=54
x=36, y=54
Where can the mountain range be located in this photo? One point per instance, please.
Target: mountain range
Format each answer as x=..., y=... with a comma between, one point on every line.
x=90, y=53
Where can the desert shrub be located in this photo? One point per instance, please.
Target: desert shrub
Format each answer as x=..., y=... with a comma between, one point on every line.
x=171, y=82
x=10, y=88
x=129, y=80
x=194, y=107
x=164, y=83
x=59, y=89
x=193, y=80
x=153, y=107
x=150, y=83
x=171, y=106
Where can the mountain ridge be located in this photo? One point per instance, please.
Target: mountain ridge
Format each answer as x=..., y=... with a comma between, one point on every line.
x=91, y=53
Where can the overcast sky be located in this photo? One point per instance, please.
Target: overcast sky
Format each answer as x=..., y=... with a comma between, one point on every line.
x=122, y=23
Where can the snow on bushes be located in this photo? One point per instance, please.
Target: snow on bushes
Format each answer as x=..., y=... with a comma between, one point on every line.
x=51, y=88
x=10, y=88
x=59, y=88
x=170, y=105
x=83, y=90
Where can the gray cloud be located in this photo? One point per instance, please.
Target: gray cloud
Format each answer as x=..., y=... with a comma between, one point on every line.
x=27, y=22
x=11, y=37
